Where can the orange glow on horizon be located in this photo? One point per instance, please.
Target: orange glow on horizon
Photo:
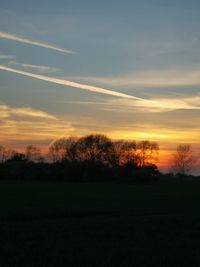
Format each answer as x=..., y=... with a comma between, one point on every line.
x=41, y=132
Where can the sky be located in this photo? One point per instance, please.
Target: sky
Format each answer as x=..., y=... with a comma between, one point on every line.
x=128, y=69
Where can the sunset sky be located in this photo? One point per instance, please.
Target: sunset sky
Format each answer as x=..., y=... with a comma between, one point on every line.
x=128, y=69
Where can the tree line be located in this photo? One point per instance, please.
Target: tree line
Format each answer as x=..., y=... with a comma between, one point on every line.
x=94, y=157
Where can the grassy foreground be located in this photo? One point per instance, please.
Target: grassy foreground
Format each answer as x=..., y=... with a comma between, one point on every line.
x=58, y=224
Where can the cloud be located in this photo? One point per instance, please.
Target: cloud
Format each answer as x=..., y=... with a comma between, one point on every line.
x=168, y=104
x=27, y=125
x=24, y=125
x=6, y=56
x=37, y=67
x=20, y=39
x=149, y=79
x=43, y=131
x=155, y=105
x=69, y=83
x=7, y=111
x=32, y=113
x=126, y=102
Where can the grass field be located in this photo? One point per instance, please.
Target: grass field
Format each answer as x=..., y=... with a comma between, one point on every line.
x=58, y=224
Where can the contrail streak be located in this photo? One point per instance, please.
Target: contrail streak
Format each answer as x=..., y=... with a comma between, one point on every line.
x=16, y=38
x=70, y=83
x=159, y=104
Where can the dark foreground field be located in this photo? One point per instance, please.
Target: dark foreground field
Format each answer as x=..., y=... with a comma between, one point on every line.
x=49, y=224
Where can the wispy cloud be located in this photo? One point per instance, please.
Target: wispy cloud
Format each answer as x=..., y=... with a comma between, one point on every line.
x=36, y=67
x=163, y=104
x=155, y=105
x=69, y=83
x=6, y=56
x=32, y=113
x=20, y=39
x=148, y=79
x=24, y=125
x=44, y=131
x=126, y=101
x=29, y=125
x=7, y=111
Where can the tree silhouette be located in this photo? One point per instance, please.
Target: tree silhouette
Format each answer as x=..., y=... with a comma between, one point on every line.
x=125, y=152
x=95, y=147
x=183, y=160
x=147, y=153
x=17, y=157
x=5, y=154
x=32, y=154
x=63, y=149
x=93, y=158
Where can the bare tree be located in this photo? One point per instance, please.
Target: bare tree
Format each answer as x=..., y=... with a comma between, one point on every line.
x=95, y=147
x=183, y=160
x=125, y=151
x=63, y=149
x=147, y=153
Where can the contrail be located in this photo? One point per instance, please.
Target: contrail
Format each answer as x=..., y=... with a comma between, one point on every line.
x=16, y=38
x=160, y=104
x=70, y=83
